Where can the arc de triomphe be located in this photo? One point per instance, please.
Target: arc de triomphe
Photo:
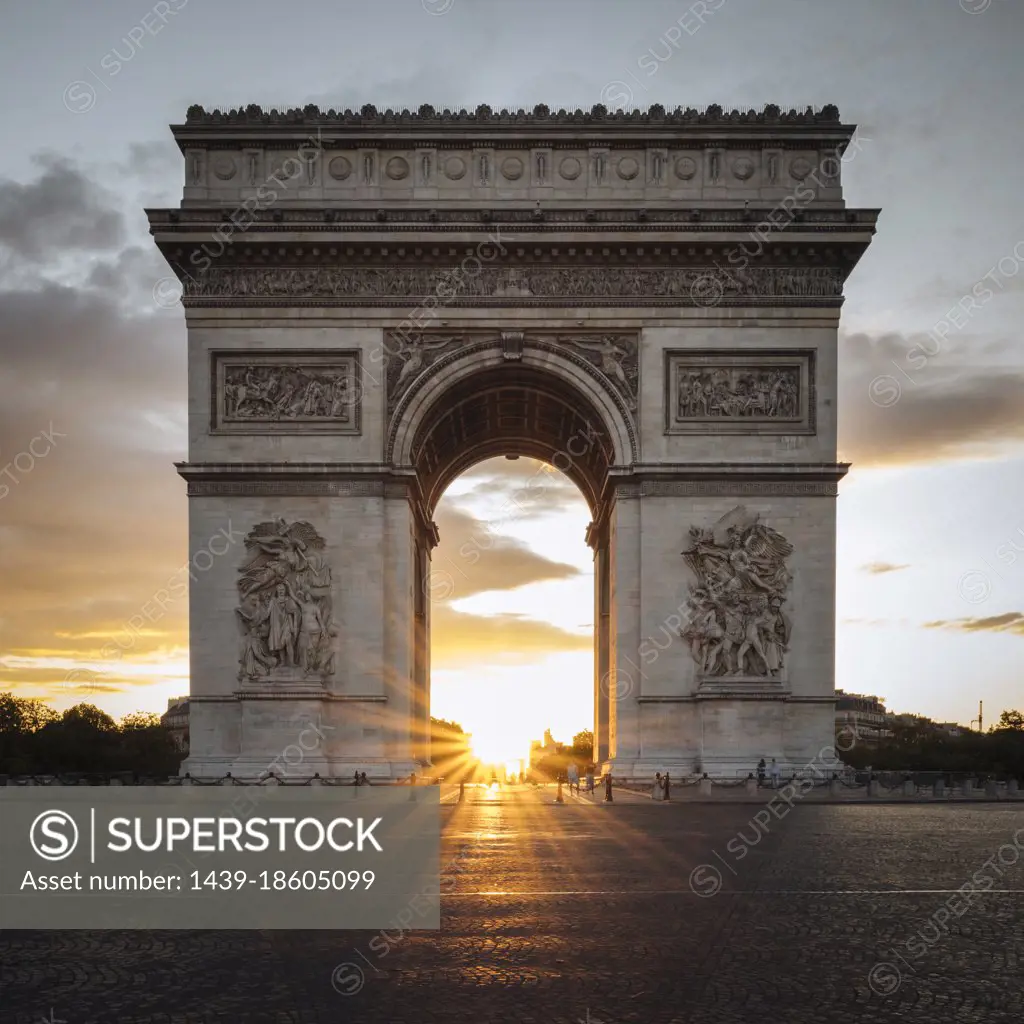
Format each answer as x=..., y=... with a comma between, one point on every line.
x=376, y=301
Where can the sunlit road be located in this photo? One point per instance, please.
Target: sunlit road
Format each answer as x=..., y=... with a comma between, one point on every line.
x=585, y=912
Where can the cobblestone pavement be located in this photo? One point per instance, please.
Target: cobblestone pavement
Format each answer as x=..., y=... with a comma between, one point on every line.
x=585, y=913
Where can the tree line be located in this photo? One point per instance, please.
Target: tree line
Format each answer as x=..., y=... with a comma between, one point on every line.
x=917, y=745
x=36, y=740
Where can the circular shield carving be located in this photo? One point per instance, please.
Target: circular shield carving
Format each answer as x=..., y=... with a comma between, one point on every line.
x=570, y=168
x=800, y=168
x=397, y=168
x=455, y=168
x=628, y=168
x=224, y=167
x=743, y=168
x=830, y=167
x=686, y=168
x=512, y=168
x=339, y=168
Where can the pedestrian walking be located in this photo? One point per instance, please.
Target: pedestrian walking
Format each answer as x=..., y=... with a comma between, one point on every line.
x=760, y=772
x=355, y=779
x=574, y=779
x=775, y=773
x=658, y=790
x=668, y=786
x=590, y=778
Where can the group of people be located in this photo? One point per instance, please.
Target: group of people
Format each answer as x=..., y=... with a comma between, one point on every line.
x=773, y=771
x=573, y=778
x=360, y=779
x=662, y=787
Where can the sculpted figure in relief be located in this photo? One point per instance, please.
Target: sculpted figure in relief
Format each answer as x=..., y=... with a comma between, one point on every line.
x=736, y=626
x=285, y=609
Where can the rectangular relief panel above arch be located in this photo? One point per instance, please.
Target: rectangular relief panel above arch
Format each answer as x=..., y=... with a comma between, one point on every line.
x=740, y=391
x=286, y=391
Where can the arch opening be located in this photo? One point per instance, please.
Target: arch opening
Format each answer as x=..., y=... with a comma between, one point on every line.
x=512, y=411
x=510, y=624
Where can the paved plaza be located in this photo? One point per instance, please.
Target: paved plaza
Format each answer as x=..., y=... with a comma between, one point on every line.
x=630, y=912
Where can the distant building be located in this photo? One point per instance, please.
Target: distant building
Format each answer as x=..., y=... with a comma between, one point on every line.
x=865, y=715
x=539, y=751
x=176, y=719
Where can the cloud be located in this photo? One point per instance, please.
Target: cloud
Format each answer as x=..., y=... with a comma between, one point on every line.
x=459, y=639
x=92, y=416
x=1008, y=622
x=878, y=568
x=474, y=557
x=906, y=400
x=60, y=211
x=521, y=487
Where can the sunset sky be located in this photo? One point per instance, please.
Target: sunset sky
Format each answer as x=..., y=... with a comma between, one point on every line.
x=930, y=587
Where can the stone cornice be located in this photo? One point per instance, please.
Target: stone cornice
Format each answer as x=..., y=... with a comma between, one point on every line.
x=296, y=479
x=540, y=119
x=742, y=220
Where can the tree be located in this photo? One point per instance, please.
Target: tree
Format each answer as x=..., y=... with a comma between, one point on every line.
x=1011, y=720
x=583, y=745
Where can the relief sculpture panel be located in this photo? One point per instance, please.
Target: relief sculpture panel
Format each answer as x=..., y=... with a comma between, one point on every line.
x=259, y=393
x=739, y=392
x=285, y=612
x=736, y=625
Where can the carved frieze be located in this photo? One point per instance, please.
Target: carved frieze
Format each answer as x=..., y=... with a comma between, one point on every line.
x=286, y=392
x=739, y=391
x=616, y=356
x=736, y=624
x=526, y=285
x=408, y=356
x=285, y=612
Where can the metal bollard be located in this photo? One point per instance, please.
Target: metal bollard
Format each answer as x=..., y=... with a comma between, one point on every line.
x=608, y=798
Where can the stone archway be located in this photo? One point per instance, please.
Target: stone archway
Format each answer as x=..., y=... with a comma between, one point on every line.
x=375, y=300
x=521, y=394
